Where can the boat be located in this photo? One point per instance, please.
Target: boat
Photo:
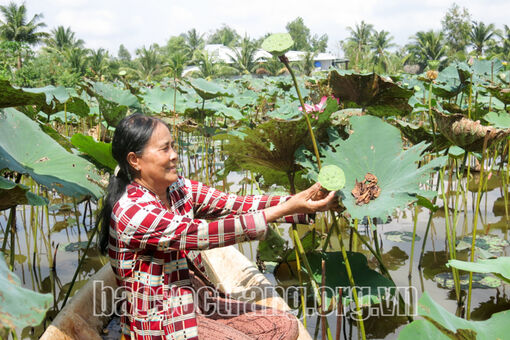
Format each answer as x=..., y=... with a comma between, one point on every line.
x=226, y=267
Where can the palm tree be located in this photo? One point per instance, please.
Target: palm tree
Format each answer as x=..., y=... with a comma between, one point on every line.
x=194, y=41
x=62, y=38
x=427, y=46
x=99, y=62
x=505, y=40
x=360, y=36
x=148, y=63
x=15, y=26
x=244, y=59
x=76, y=58
x=480, y=34
x=380, y=42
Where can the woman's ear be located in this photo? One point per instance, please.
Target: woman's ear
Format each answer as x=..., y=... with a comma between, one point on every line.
x=133, y=161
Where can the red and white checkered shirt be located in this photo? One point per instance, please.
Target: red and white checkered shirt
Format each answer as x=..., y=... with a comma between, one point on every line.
x=149, y=244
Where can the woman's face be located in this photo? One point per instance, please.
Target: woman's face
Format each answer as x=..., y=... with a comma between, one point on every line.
x=157, y=166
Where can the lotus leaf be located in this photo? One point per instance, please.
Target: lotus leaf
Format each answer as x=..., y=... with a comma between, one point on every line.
x=159, y=100
x=115, y=94
x=447, y=83
x=499, y=266
x=502, y=94
x=467, y=133
x=376, y=147
x=491, y=243
x=374, y=94
x=442, y=325
x=401, y=236
x=26, y=149
x=19, y=307
x=100, y=152
x=480, y=281
x=336, y=275
x=278, y=43
x=499, y=120
x=207, y=89
x=341, y=117
x=12, y=194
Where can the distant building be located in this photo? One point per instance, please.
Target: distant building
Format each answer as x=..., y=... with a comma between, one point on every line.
x=322, y=61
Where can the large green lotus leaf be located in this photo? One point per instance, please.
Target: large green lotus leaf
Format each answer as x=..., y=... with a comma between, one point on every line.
x=159, y=100
x=374, y=94
x=287, y=111
x=10, y=96
x=50, y=131
x=208, y=89
x=12, y=194
x=499, y=266
x=222, y=109
x=376, y=147
x=447, y=84
x=467, y=133
x=115, y=94
x=242, y=98
x=26, y=149
x=101, y=152
x=111, y=111
x=336, y=274
x=19, y=307
x=441, y=324
x=500, y=120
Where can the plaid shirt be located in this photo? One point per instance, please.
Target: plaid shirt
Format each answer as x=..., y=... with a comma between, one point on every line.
x=149, y=247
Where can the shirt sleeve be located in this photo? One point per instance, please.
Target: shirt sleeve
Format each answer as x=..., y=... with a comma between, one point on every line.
x=147, y=226
x=211, y=203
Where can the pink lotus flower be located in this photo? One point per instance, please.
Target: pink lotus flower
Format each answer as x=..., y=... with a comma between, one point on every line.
x=317, y=108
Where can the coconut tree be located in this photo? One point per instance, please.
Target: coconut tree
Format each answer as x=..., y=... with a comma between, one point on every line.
x=379, y=43
x=99, y=62
x=427, y=46
x=360, y=36
x=16, y=27
x=76, y=59
x=244, y=57
x=148, y=63
x=194, y=41
x=480, y=34
x=62, y=38
x=505, y=42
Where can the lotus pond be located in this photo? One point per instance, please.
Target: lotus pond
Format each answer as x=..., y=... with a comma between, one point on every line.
x=425, y=202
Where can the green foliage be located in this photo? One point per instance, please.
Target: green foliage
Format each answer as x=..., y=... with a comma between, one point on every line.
x=45, y=161
x=499, y=266
x=456, y=25
x=225, y=35
x=101, y=153
x=438, y=323
x=300, y=34
x=19, y=307
x=12, y=194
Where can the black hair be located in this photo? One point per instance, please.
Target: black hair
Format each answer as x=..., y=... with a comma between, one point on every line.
x=131, y=135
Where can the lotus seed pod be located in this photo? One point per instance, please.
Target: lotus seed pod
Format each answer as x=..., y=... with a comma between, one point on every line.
x=331, y=177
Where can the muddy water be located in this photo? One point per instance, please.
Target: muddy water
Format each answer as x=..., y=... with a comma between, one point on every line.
x=35, y=252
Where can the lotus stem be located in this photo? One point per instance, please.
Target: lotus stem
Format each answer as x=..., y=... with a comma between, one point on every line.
x=351, y=281
x=301, y=293
x=415, y=222
x=12, y=226
x=451, y=245
x=285, y=61
x=475, y=224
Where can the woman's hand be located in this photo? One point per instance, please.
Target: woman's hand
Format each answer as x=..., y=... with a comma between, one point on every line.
x=311, y=200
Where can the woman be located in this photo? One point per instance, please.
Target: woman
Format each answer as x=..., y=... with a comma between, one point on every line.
x=155, y=234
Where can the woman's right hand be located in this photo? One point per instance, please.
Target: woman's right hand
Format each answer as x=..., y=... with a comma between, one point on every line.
x=308, y=201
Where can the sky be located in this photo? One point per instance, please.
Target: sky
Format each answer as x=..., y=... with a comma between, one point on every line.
x=109, y=23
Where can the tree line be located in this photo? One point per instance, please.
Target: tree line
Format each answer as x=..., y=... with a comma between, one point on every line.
x=62, y=58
